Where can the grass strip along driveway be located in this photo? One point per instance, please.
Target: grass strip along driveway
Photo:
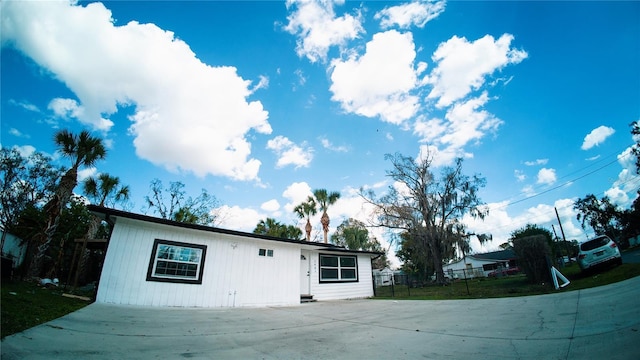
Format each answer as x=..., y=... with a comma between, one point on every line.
x=509, y=286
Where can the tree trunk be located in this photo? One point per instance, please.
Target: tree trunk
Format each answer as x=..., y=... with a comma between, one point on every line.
x=53, y=208
x=82, y=261
x=437, y=261
x=325, y=225
x=307, y=229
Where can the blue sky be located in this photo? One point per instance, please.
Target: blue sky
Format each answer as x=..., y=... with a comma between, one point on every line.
x=261, y=102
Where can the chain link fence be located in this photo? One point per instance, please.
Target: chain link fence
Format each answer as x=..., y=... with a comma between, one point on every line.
x=401, y=285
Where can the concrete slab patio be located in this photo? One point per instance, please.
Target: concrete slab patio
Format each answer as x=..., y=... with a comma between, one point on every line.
x=595, y=323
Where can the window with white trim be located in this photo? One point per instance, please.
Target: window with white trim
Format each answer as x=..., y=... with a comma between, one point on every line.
x=265, y=252
x=173, y=261
x=338, y=268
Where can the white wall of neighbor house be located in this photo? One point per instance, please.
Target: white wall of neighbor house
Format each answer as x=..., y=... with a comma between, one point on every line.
x=234, y=274
x=363, y=288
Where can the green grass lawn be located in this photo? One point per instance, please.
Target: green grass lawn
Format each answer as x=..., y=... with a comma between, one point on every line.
x=25, y=305
x=516, y=285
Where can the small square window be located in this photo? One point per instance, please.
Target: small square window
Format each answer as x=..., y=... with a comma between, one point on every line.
x=262, y=252
x=270, y=253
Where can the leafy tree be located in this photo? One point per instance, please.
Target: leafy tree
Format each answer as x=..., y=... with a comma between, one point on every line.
x=203, y=210
x=24, y=182
x=415, y=257
x=271, y=227
x=530, y=230
x=635, y=149
x=429, y=209
x=353, y=235
x=83, y=150
x=600, y=214
x=324, y=200
x=305, y=210
x=533, y=252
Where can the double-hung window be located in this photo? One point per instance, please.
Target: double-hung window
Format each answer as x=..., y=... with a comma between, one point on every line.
x=173, y=261
x=338, y=268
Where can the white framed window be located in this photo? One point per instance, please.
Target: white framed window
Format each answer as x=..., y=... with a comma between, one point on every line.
x=338, y=268
x=265, y=252
x=173, y=261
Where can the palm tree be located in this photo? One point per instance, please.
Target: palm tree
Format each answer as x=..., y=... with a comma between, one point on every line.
x=306, y=210
x=103, y=190
x=324, y=200
x=266, y=227
x=83, y=150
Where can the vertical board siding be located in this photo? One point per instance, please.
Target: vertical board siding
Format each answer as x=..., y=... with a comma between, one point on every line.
x=234, y=274
x=349, y=290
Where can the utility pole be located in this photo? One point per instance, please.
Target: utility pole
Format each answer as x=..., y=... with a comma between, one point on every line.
x=561, y=229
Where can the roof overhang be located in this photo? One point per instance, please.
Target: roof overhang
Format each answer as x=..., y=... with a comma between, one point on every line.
x=111, y=215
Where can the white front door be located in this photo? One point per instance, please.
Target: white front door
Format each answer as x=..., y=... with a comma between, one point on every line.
x=305, y=274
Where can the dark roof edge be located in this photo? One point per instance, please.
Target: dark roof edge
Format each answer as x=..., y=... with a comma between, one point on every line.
x=107, y=212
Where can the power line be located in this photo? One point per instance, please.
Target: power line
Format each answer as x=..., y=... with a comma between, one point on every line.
x=570, y=181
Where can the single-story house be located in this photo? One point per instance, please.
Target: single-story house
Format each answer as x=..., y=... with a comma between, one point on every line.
x=383, y=277
x=14, y=251
x=156, y=262
x=480, y=265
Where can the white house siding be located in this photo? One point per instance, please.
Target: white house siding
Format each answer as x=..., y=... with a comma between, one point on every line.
x=348, y=290
x=234, y=274
x=13, y=249
x=475, y=264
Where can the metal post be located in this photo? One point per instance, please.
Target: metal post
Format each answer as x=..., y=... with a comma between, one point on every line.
x=464, y=272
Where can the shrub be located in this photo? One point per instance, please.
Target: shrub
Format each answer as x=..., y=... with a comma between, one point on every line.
x=533, y=252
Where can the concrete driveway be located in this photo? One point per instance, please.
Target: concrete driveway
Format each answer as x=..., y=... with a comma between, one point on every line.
x=599, y=323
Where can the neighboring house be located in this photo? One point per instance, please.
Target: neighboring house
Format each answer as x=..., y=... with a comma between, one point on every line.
x=480, y=265
x=383, y=277
x=156, y=262
x=14, y=249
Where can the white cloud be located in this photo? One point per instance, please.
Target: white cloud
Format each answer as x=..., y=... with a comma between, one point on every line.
x=596, y=137
x=520, y=176
x=318, y=28
x=25, y=105
x=25, y=150
x=468, y=122
x=528, y=190
x=462, y=66
x=329, y=146
x=296, y=193
x=86, y=173
x=416, y=13
x=182, y=106
x=17, y=133
x=536, y=162
x=70, y=109
x=429, y=130
x=442, y=156
x=270, y=206
x=624, y=189
x=546, y=176
x=290, y=153
x=241, y=219
x=500, y=223
x=379, y=82
x=465, y=122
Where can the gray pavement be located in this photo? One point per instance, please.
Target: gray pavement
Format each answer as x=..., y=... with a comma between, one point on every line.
x=599, y=323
